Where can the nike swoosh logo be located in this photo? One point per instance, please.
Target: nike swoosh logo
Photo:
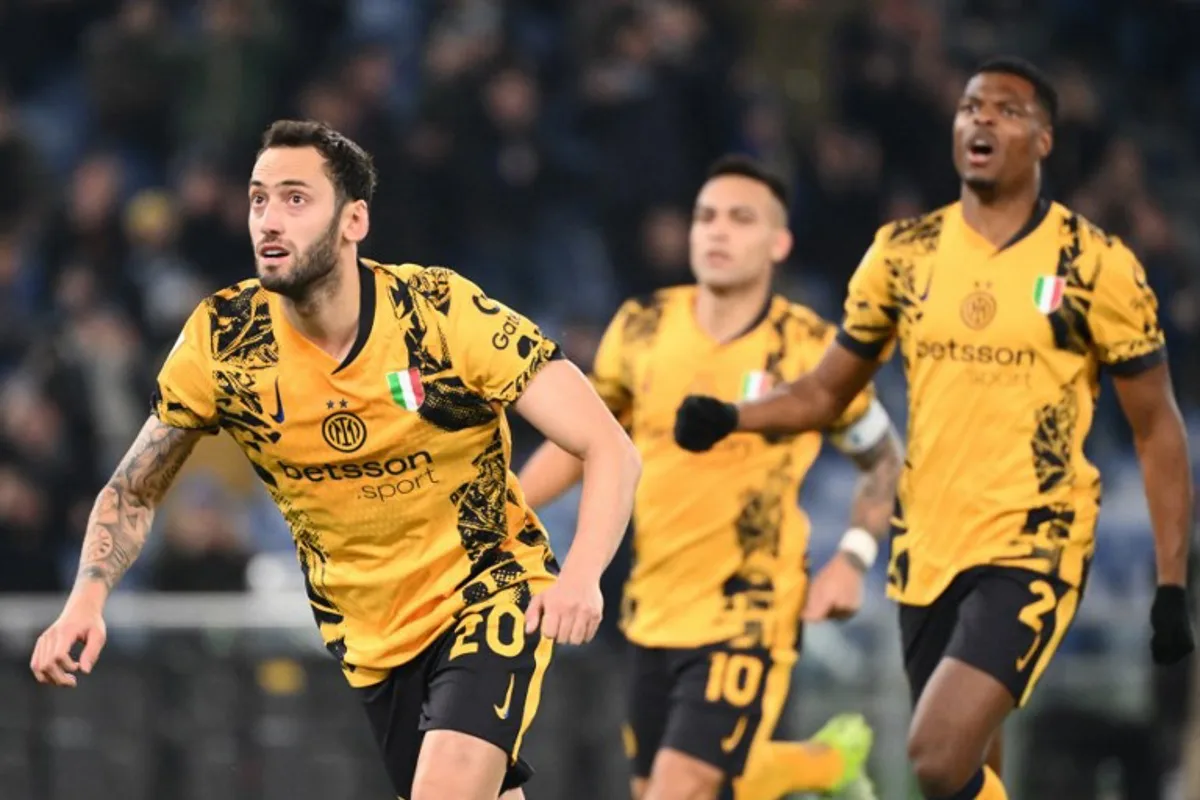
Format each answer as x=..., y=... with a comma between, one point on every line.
x=502, y=711
x=278, y=415
x=730, y=742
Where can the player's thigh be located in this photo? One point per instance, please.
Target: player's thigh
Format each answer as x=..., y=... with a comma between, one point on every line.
x=1008, y=626
x=647, y=710
x=722, y=699
x=959, y=712
x=459, y=765
x=394, y=708
x=681, y=776
x=1011, y=624
x=925, y=634
x=486, y=683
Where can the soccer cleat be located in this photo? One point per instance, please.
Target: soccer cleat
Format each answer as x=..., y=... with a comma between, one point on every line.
x=851, y=737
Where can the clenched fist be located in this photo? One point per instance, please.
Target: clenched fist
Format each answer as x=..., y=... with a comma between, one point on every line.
x=701, y=422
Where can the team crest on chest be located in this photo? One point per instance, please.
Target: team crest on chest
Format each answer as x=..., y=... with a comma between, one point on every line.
x=979, y=307
x=1048, y=293
x=344, y=431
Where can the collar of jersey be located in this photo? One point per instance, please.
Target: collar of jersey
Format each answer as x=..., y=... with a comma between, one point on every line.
x=762, y=316
x=1041, y=209
x=366, y=321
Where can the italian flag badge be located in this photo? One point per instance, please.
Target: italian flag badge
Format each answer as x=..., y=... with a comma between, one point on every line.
x=406, y=389
x=1048, y=293
x=755, y=385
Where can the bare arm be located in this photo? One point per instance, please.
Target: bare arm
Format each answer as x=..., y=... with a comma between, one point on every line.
x=123, y=510
x=561, y=403
x=814, y=401
x=875, y=494
x=548, y=473
x=115, y=534
x=1161, y=442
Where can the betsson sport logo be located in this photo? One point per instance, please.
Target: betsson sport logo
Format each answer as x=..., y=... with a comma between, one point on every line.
x=985, y=365
x=402, y=475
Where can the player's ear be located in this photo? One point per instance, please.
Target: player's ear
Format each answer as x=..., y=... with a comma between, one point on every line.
x=1045, y=141
x=781, y=246
x=356, y=221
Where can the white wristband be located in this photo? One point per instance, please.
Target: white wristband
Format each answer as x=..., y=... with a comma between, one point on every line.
x=860, y=544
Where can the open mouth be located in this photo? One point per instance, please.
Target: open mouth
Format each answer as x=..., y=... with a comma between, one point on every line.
x=980, y=150
x=272, y=253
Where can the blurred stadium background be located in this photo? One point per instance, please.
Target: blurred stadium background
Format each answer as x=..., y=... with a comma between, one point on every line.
x=549, y=149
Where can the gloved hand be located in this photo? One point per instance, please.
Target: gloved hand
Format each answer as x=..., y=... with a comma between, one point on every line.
x=701, y=422
x=1173, y=639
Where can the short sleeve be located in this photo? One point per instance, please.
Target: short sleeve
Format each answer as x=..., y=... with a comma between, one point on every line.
x=609, y=375
x=1124, y=315
x=495, y=350
x=869, y=325
x=185, y=394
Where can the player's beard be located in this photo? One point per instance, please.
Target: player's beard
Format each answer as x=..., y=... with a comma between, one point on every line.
x=311, y=269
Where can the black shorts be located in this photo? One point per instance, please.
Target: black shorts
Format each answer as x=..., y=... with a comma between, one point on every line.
x=1004, y=621
x=711, y=703
x=482, y=677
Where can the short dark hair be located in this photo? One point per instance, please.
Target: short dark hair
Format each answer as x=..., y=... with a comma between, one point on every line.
x=747, y=167
x=1043, y=90
x=350, y=168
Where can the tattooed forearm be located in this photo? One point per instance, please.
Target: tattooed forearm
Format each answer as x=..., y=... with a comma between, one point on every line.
x=123, y=511
x=875, y=494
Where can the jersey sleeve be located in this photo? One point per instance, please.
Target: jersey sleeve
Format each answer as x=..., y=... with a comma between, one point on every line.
x=495, y=350
x=185, y=393
x=869, y=324
x=1124, y=315
x=609, y=375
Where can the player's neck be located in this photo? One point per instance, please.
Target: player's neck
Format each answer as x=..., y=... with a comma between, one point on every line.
x=725, y=315
x=328, y=316
x=999, y=216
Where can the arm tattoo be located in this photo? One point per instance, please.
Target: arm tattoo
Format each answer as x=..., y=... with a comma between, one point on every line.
x=125, y=507
x=875, y=494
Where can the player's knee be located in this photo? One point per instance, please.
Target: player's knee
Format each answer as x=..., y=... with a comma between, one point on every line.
x=678, y=776
x=941, y=769
x=453, y=764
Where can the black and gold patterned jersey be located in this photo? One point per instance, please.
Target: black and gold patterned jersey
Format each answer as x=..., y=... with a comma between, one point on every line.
x=1002, y=348
x=391, y=468
x=720, y=542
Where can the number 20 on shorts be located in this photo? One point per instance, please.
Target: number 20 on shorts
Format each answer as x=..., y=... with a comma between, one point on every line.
x=734, y=678
x=466, y=640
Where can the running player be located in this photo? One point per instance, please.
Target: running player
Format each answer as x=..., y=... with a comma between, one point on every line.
x=714, y=601
x=370, y=399
x=1006, y=307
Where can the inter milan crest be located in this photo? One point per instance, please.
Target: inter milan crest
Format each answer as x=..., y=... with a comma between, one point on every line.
x=344, y=431
x=979, y=307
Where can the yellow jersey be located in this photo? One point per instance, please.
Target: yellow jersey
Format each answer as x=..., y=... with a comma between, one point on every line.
x=1002, y=349
x=720, y=542
x=391, y=467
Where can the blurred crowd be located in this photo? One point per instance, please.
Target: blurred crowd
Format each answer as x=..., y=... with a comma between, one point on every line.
x=548, y=149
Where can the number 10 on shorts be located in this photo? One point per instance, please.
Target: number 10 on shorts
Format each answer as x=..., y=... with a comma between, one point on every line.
x=733, y=678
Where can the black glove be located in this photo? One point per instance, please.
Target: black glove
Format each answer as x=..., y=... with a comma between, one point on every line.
x=701, y=422
x=1169, y=618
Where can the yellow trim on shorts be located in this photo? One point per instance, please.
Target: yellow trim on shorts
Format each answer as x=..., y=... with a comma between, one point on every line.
x=541, y=660
x=1064, y=613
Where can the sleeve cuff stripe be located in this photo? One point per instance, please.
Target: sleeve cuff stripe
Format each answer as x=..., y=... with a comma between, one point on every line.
x=1139, y=364
x=867, y=350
